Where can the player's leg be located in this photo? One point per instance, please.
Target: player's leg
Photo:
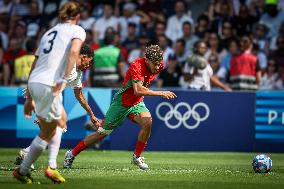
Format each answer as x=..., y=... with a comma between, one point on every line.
x=141, y=115
x=54, y=143
x=23, y=152
x=37, y=146
x=114, y=117
x=81, y=146
x=48, y=110
x=144, y=119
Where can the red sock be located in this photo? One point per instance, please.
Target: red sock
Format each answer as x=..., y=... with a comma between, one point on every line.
x=140, y=146
x=79, y=148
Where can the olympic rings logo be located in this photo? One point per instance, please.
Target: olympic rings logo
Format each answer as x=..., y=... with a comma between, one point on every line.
x=174, y=112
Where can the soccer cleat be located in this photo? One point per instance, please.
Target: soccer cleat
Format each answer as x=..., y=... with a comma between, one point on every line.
x=26, y=179
x=68, y=160
x=21, y=156
x=139, y=161
x=54, y=175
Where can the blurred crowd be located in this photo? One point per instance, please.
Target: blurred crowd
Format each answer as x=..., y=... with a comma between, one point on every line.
x=121, y=29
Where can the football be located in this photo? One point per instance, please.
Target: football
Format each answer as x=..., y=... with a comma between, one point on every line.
x=262, y=163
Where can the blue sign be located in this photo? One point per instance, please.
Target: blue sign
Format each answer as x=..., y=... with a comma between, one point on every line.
x=269, y=117
x=195, y=121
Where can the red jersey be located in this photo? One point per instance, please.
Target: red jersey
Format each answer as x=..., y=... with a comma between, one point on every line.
x=137, y=73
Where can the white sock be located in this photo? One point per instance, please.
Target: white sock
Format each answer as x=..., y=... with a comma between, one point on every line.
x=36, y=148
x=53, y=148
x=27, y=149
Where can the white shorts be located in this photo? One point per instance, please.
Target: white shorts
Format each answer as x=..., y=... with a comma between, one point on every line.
x=47, y=106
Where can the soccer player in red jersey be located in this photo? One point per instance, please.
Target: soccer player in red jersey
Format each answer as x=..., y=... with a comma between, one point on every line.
x=128, y=102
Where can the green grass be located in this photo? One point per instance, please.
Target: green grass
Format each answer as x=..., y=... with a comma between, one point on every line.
x=112, y=169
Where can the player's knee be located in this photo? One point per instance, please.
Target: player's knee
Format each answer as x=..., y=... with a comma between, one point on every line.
x=147, y=124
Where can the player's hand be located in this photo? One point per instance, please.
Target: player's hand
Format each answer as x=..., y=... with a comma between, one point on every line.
x=59, y=87
x=168, y=95
x=29, y=107
x=96, y=122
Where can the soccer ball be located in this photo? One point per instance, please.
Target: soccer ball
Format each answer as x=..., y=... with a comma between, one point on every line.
x=262, y=163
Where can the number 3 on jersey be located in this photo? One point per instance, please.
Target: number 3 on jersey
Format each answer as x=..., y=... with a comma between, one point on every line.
x=50, y=42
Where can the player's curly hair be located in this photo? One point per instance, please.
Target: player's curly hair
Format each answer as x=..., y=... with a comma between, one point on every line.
x=86, y=50
x=154, y=53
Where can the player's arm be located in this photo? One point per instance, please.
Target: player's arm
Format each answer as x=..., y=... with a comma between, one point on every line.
x=215, y=81
x=74, y=56
x=140, y=90
x=258, y=73
x=82, y=100
x=73, y=59
x=29, y=104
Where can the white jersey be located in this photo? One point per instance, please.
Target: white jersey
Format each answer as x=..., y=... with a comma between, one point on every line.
x=202, y=79
x=75, y=78
x=53, y=51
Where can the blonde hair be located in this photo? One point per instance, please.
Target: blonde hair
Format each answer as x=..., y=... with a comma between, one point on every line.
x=69, y=11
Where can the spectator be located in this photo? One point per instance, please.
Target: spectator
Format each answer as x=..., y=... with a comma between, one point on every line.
x=117, y=43
x=90, y=41
x=86, y=21
x=214, y=47
x=223, y=72
x=33, y=20
x=175, y=22
x=131, y=42
x=227, y=35
x=160, y=29
x=256, y=7
x=245, y=72
x=108, y=70
x=261, y=57
x=259, y=37
x=108, y=20
x=19, y=32
x=14, y=51
x=244, y=21
x=198, y=75
x=109, y=31
x=163, y=43
x=129, y=16
x=50, y=11
x=217, y=9
x=278, y=54
x=3, y=34
x=225, y=14
x=169, y=77
x=280, y=81
x=188, y=36
x=152, y=8
x=268, y=80
x=272, y=18
x=273, y=41
x=213, y=60
x=140, y=50
x=24, y=63
x=6, y=6
x=180, y=52
x=201, y=26
x=21, y=8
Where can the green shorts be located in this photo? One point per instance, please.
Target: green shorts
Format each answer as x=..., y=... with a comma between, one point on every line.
x=117, y=113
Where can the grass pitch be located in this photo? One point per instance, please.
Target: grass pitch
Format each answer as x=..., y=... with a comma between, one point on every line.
x=112, y=169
